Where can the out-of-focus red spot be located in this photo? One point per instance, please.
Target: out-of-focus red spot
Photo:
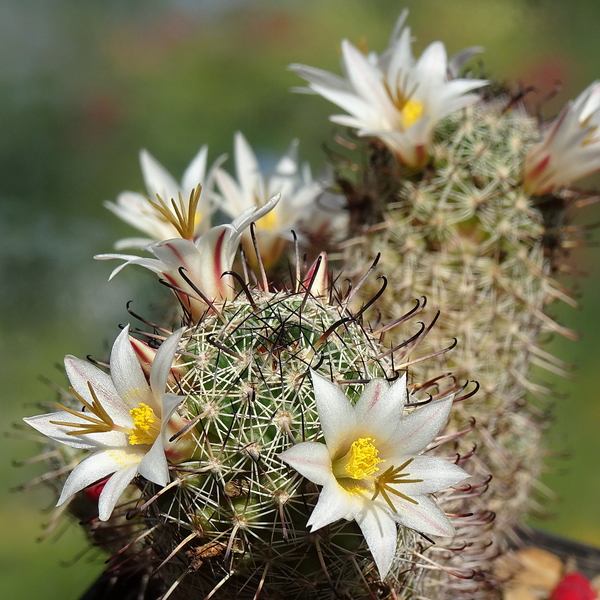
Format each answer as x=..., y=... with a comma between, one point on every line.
x=574, y=586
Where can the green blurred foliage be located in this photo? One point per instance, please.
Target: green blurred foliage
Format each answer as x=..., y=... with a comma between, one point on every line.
x=85, y=85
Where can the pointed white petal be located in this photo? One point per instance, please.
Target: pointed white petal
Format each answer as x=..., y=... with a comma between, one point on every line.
x=436, y=474
x=233, y=201
x=381, y=535
x=94, y=441
x=127, y=373
x=458, y=60
x=80, y=373
x=336, y=414
x=112, y=491
x=158, y=180
x=162, y=363
x=417, y=429
x=195, y=174
x=398, y=26
x=95, y=467
x=246, y=165
x=170, y=402
x=254, y=213
x=380, y=408
x=136, y=243
x=311, y=460
x=426, y=516
x=130, y=259
x=368, y=81
x=320, y=77
x=154, y=465
x=334, y=504
x=433, y=67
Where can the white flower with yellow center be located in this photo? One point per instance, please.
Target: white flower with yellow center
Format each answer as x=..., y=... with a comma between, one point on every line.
x=569, y=148
x=196, y=270
x=125, y=422
x=393, y=97
x=371, y=466
x=157, y=214
x=299, y=194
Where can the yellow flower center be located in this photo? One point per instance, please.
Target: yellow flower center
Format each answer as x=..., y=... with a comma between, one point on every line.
x=411, y=112
x=361, y=461
x=145, y=425
x=268, y=222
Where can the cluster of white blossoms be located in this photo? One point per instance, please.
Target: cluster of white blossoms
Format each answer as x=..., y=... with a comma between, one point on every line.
x=371, y=465
x=174, y=214
x=369, y=458
x=400, y=100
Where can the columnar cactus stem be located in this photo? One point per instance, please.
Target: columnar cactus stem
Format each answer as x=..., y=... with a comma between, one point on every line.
x=467, y=235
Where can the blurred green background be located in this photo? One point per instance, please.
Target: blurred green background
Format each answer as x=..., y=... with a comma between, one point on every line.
x=85, y=85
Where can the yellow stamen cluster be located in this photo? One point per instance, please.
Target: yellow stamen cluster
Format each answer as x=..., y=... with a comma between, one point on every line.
x=101, y=422
x=144, y=421
x=184, y=220
x=362, y=459
x=411, y=112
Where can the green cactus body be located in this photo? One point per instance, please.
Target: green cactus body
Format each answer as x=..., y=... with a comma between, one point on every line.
x=464, y=234
x=233, y=520
x=251, y=394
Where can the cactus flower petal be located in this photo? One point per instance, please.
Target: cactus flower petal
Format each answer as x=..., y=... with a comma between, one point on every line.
x=371, y=466
x=392, y=96
x=569, y=148
x=380, y=534
x=124, y=421
x=203, y=262
x=136, y=210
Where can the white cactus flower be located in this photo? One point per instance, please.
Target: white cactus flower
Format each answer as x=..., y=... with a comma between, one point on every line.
x=196, y=269
x=156, y=215
x=299, y=195
x=569, y=148
x=393, y=97
x=371, y=466
x=125, y=422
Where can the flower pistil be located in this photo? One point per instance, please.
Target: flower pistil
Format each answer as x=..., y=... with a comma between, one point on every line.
x=184, y=220
x=394, y=476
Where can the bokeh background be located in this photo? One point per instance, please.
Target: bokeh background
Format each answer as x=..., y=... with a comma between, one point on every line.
x=85, y=85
